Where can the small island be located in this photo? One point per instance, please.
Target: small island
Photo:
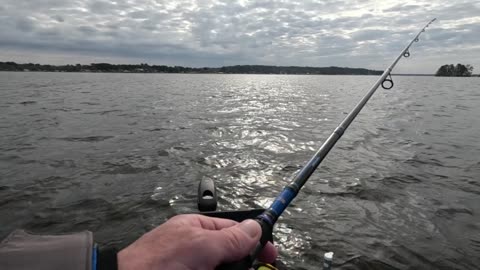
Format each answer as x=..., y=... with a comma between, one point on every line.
x=146, y=68
x=458, y=70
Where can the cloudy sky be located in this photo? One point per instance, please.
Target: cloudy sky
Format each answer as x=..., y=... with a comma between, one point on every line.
x=353, y=33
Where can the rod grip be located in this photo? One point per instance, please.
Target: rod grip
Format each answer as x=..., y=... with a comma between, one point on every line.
x=247, y=262
x=244, y=264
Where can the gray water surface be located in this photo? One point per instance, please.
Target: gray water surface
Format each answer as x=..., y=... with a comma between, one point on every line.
x=118, y=154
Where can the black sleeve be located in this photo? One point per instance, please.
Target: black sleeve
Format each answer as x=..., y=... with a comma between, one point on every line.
x=107, y=259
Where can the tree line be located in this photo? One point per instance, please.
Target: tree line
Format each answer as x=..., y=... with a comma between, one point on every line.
x=146, y=68
x=457, y=70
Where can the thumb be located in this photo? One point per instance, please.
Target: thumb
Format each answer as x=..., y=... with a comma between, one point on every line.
x=236, y=242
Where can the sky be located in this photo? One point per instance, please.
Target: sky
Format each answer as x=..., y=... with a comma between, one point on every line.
x=214, y=33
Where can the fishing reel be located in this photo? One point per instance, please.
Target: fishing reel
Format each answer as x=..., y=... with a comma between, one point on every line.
x=207, y=205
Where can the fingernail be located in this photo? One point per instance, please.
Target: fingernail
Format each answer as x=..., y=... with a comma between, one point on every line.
x=251, y=227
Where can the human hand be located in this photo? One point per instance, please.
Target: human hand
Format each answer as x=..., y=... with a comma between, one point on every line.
x=194, y=242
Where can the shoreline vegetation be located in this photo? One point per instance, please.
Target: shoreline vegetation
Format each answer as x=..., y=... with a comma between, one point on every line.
x=146, y=68
x=458, y=70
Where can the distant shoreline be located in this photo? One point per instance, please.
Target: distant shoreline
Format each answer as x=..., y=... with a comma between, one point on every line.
x=217, y=73
x=401, y=74
x=146, y=68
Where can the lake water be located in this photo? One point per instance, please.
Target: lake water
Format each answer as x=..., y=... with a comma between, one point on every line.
x=118, y=154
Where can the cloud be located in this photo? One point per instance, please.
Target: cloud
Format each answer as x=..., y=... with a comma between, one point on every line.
x=24, y=24
x=402, y=8
x=223, y=32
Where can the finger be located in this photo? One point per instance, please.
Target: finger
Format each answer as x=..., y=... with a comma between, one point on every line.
x=211, y=223
x=235, y=242
x=269, y=253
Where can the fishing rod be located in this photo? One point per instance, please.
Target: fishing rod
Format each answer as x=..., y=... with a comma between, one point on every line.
x=268, y=218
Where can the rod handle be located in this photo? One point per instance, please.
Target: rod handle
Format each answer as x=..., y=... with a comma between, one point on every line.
x=244, y=264
x=247, y=262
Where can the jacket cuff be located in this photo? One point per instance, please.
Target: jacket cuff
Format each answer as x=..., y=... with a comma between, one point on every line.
x=22, y=250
